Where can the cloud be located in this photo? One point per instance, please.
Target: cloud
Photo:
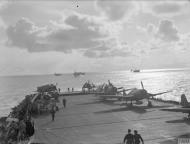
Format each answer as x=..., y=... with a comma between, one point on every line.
x=38, y=11
x=161, y=37
x=115, y=10
x=23, y=35
x=110, y=48
x=167, y=31
x=151, y=28
x=183, y=44
x=91, y=35
x=81, y=33
x=84, y=35
x=167, y=8
x=108, y=54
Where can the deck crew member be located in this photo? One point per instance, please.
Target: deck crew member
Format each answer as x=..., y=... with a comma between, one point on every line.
x=53, y=113
x=137, y=138
x=64, y=102
x=128, y=139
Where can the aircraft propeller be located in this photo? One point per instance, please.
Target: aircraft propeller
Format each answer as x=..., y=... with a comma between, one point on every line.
x=148, y=94
x=142, y=85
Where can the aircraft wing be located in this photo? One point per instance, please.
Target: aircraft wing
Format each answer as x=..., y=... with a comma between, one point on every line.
x=183, y=110
x=125, y=90
x=110, y=96
x=116, y=97
x=159, y=93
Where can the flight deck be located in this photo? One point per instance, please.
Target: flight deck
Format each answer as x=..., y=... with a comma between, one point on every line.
x=88, y=120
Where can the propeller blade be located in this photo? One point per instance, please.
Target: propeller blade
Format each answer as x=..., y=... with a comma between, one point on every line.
x=142, y=85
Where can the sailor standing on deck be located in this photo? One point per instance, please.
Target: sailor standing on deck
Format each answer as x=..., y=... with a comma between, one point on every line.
x=137, y=138
x=64, y=102
x=53, y=113
x=128, y=139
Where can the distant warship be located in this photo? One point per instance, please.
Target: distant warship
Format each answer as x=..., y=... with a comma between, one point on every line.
x=57, y=74
x=78, y=73
x=135, y=70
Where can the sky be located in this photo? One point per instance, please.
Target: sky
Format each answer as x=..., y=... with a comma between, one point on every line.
x=44, y=37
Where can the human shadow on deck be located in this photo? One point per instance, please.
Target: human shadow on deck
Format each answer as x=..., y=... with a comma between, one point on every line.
x=179, y=121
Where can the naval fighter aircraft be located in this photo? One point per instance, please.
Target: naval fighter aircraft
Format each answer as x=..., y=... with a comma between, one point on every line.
x=184, y=109
x=134, y=95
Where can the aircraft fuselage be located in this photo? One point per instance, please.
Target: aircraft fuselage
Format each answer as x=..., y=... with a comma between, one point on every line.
x=138, y=94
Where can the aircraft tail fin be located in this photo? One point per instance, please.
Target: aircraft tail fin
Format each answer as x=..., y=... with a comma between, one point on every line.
x=184, y=101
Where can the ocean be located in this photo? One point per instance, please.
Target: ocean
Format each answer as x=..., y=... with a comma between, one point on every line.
x=14, y=88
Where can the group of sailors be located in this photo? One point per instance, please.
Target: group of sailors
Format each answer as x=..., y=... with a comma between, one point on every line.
x=55, y=108
x=72, y=89
x=17, y=130
x=133, y=138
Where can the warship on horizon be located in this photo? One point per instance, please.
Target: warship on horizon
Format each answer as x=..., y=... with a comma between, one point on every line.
x=76, y=74
x=135, y=70
x=57, y=74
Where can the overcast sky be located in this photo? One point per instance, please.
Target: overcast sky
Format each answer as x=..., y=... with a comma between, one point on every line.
x=57, y=36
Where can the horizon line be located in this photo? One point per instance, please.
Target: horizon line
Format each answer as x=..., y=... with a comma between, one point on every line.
x=143, y=70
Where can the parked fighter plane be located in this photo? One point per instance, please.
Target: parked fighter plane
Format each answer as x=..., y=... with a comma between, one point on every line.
x=184, y=109
x=134, y=95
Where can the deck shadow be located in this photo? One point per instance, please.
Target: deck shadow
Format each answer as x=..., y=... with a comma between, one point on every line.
x=107, y=102
x=175, y=139
x=134, y=109
x=42, y=115
x=146, y=107
x=110, y=102
x=179, y=121
x=172, y=141
x=89, y=103
x=187, y=135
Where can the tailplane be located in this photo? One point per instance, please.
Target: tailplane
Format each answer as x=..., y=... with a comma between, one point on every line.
x=184, y=101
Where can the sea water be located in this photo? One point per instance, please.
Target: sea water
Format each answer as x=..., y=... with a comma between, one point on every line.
x=14, y=88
